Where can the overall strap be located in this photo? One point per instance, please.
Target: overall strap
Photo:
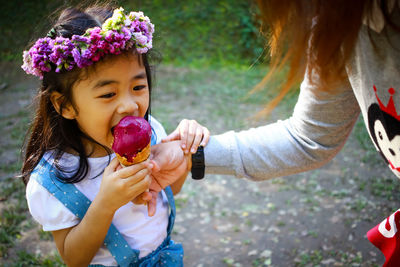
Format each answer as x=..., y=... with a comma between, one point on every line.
x=171, y=201
x=153, y=140
x=78, y=204
x=168, y=253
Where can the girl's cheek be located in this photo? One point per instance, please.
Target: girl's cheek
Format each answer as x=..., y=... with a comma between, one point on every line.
x=145, y=106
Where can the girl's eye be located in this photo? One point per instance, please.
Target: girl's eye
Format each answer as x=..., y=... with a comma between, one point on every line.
x=109, y=95
x=140, y=87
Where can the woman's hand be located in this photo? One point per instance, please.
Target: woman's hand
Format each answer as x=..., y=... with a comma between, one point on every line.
x=121, y=185
x=170, y=164
x=191, y=134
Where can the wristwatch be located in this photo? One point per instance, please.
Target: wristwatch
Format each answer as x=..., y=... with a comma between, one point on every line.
x=198, y=164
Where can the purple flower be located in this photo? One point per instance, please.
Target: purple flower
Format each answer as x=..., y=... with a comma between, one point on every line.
x=142, y=50
x=96, y=57
x=102, y=45
x=110, y=36
x=81, y=62
x=141, y=39
x=126, y=33
x=95, y=34
x=82, y=39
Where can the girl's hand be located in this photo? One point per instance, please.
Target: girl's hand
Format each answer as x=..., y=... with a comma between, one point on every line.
x=191, y=134
x=121, y=185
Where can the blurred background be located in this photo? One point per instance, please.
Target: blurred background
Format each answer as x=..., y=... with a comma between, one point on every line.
x=212, y=56
x=196, y=32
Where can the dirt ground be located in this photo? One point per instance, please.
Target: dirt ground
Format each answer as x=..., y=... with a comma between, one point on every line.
x=318, y=218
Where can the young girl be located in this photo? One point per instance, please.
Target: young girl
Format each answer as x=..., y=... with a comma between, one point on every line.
x=95, y=71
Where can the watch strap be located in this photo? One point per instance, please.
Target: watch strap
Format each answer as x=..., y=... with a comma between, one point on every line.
x=198, y=167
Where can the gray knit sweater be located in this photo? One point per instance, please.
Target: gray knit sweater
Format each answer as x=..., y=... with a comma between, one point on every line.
x=322, y=121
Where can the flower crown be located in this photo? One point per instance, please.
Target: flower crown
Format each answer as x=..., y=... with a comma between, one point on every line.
x=118, y=33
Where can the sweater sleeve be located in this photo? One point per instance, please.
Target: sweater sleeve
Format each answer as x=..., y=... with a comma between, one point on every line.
x=312, y=136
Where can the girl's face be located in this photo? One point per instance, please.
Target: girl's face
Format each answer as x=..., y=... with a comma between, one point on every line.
x=117, y=88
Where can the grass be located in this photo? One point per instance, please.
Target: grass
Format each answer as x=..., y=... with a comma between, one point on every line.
x=27, y=259
x=382, y=187
x=13, y=214
x=312, y=258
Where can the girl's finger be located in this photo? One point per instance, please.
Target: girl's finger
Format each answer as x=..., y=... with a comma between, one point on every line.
x=140, y=187
x=197, y=139
x=112, y=167
x=119, y=167
x=131, y=170
x=206, y=137
x=137, y=177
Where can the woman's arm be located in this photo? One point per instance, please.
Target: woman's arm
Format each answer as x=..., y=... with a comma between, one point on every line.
x=177, y=186
x=317, y=130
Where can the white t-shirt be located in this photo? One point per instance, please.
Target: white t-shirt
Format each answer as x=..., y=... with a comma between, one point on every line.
x=142, y=232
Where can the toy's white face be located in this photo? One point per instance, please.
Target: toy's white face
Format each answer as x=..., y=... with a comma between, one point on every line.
x=117, y=88
x=389, y=148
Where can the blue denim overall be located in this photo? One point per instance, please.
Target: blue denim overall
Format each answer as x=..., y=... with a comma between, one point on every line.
x=167, y=254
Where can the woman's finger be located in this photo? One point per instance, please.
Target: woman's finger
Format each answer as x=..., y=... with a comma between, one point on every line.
x=197, y=139
x=152, y=204
x=206, y=137
x=171, y=137
x=192, y=126
x=155, y=165
x=183, y=133
x=142, y=199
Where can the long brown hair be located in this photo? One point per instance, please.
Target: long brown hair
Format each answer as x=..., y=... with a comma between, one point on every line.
x=50, y=131
x=319, y=35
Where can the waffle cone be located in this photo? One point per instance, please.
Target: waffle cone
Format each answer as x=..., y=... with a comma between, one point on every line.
x=140, y=156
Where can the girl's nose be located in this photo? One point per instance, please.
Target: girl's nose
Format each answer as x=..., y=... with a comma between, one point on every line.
x=127, y=106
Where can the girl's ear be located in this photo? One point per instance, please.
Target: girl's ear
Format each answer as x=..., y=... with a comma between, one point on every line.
x=68, y=111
